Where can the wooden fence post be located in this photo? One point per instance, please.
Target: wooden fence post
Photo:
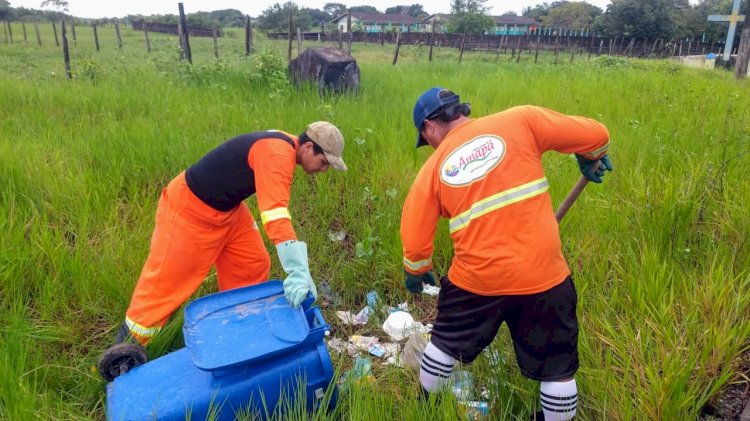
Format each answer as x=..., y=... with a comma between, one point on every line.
x=10, y=31
x=463, y=44
x=54, y=31
x=398, y=45
x=96, y=38
x=299, y=41
x=73, y=31
x=119, y=37
x=66, y=55
x=38, y=37
x=181, y=39
x=248, y=36
x=629, y=49
x=25, y=39
x=289, y=35
x=432, y=38
x=349, y=29
x=214, y=34
x=145, y=36
x=185, y=33
x=520, y=47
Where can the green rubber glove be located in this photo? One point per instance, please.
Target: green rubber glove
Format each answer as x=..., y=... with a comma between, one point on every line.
x=293, y=258
x=415, y=283
x=590, y=170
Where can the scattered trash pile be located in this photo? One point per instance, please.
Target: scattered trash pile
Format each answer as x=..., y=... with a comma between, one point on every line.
x=408, y=340
x=398, y=326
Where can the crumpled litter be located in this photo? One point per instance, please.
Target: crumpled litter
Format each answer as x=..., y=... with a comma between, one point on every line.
x=326, y=295
x=348, y=318
x=401, y=307
x=336, y=235
x=362, y=370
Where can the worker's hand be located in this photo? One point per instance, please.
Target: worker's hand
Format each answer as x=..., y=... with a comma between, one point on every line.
x=293, y=258
x=594, y=169
x=415, y=283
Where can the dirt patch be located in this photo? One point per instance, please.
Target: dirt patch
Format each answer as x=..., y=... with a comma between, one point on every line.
x=728, y=404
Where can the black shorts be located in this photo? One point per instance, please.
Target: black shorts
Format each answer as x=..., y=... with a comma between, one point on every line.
x=543, y=326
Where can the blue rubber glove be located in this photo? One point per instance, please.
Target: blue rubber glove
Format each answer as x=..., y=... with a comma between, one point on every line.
x=590, y=170
x=293, y=258
x=415, y=283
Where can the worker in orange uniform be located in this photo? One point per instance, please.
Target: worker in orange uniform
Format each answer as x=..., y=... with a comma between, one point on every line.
x=486, y=177
x=202, y=221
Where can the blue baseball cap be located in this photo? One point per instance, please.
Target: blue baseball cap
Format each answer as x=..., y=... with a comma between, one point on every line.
x=428, y=103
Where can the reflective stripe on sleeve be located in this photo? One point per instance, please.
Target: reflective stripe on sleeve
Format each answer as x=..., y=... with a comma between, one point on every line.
x=416, y=266
x=141, y=330
x=274, y=214
x=497, y=201
x=597, y=152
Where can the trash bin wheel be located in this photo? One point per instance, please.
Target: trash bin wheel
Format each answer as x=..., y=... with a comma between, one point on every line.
x=119, y=359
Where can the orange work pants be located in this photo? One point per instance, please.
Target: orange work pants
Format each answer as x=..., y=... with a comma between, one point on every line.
x=189, y=238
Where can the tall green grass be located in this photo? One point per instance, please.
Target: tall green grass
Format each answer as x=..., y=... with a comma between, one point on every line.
x=659, y=252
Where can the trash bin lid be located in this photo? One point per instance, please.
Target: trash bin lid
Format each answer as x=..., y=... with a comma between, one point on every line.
x=241, y=325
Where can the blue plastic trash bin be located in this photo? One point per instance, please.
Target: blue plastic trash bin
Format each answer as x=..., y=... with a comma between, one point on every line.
x=247, y=351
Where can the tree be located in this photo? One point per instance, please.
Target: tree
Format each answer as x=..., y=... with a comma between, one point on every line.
x=470, y=16
x=276, y=18
x=537, y=12
x=229, y=17
x=414, y=10
x=468, y=6
x=510, y=13
x=4, y=9
x=643, y=18
x=318, y=17
x=696, y=22
x=571, y=15
x=60, y=5
x=334, y=9
x=364, y=9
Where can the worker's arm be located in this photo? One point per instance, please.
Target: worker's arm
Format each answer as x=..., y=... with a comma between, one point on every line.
x=585, y=137
x=273, y=162
x=567, y=134
x=419, y=220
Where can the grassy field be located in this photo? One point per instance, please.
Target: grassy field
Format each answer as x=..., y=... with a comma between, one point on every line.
x=660, y=251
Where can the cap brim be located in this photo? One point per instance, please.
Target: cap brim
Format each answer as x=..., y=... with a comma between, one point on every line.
x=336, y=162
x=420, y=140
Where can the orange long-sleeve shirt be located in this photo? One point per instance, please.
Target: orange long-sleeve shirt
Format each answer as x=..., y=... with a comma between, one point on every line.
x=487, y=178
x=273, y=163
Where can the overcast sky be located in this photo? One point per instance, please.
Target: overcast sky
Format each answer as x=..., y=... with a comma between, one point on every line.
x=120, y=8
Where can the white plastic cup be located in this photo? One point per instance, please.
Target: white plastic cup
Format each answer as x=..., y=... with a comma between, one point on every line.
x=397, y=325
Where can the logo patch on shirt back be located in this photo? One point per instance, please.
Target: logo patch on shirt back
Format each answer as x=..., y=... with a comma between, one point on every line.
x=472, y=160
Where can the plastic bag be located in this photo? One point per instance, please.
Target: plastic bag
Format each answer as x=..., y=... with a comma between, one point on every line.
x=411, y=356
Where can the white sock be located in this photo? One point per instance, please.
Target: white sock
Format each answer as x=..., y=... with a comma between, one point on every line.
x=559, y=400
x=435, y=369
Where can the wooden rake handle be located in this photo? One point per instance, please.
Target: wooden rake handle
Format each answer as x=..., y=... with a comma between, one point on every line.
x=571, y=198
